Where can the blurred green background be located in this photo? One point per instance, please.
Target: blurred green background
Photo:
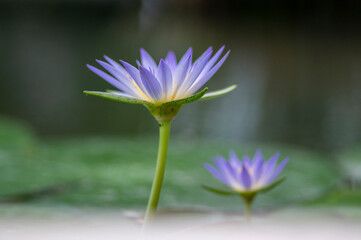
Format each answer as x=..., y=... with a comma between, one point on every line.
x=298, y=69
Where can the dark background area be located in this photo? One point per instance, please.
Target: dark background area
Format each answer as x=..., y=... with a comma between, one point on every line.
x=297, y=65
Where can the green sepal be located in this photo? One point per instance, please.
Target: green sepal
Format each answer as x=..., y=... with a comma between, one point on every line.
x=219, y=191
x=270, y=187
x=245, y=194
x=115, y=97
x=218, y=93
x=161, y=111
x=168, y=110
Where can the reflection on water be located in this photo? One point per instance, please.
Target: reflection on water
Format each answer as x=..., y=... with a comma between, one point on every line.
x=297, y=83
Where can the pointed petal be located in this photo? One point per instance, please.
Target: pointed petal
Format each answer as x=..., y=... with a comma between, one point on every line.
x=116, y=65
x=257, y=171
x=181, y=72
x=224, y=168
x=246, y=161
x=279, y=169
x=186, y=55
x=171, y=61
x=245, y=178
x=257, y=157
x=125, y=84
x=151, y=84
x=215, y=173
x=106, y=77
x=209, y=50
x=164, y=75
x=195, y=70
x=202, y=80
x=147, y=60
x=218, y=93
x=134, y=77
x=234, y=160
x=268, y=168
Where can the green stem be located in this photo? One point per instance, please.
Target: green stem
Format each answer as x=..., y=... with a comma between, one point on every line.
x=164, y=129
x=248, y=210
x=248, y=200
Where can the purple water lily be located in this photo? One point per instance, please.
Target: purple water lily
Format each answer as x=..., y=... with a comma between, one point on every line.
x=169, y=80
x=246, y=175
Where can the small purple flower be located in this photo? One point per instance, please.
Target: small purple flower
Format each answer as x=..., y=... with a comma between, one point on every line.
x=164, y=82
x=247, y=175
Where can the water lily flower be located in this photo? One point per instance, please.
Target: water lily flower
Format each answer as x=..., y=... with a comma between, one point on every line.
x=162, y=88
x=246, y=177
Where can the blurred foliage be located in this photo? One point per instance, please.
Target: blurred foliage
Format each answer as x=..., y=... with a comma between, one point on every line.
x=109, y=171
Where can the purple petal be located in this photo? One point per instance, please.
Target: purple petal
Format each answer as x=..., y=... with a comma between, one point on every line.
x=247, y=161
x=196, y=69
x=245, y=178
x=147, y=60
x=272, y=162
x=151, y=84
x=204, y=54
x=106, y=77
x=225, y=168
x=186, y=55
x=116, y=65
x=257, y=158
x=269, y=167
x=257, y=171
x=215, y=173
x=201, y=81
x=279, y=169
x=234, y=160
x=171, y=61
x=133, y=74
x=182, y=71
x=211, y=62
x=125, y=84
x=164, y=75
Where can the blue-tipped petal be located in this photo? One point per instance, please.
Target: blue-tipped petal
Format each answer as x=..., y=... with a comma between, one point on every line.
x=234, y=160
x=171, y=60
x=201, y=81
x=215, y=173
x=147, y=60
x=116, y=65
x=181, y=71
x=257, y=171
x=106, y=77
x=164, y=75
x=134, y=75
x=247, y=161
x=279, y=169
x=151, y=84
x=126, y=86
x=245, y=178
x=196, y=69
x=186, y=55
x=272, y=162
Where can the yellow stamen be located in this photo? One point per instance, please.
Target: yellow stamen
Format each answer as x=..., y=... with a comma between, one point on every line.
x=138, y=88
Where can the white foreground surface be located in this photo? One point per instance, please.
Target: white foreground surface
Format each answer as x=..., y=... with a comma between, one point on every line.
x=293, y=223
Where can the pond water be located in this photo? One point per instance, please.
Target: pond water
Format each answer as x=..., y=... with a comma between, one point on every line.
x=298, y=70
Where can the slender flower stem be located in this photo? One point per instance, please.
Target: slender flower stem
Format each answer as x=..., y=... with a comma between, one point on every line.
x=164, y=129
x=248, y=200
x=248, y=210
